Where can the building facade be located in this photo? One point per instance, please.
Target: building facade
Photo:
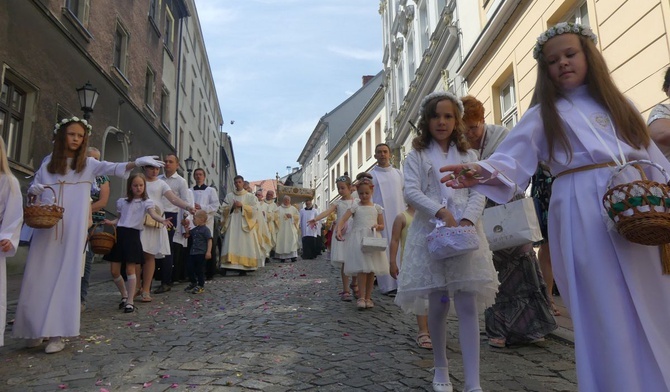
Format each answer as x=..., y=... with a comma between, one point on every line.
x=500, y=71
x=317, y=171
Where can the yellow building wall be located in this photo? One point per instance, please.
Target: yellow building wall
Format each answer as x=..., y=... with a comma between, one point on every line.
x=632, y=35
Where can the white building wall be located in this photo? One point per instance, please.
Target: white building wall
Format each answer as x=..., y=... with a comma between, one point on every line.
x=200, y=118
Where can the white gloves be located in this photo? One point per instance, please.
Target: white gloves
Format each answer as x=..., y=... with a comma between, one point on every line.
x=36, y=189
x=149, y=160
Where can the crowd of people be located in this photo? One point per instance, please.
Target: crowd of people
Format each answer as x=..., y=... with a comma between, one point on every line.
x=578, y=126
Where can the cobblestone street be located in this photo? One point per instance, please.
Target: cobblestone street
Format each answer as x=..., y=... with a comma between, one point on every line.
x=281, y=328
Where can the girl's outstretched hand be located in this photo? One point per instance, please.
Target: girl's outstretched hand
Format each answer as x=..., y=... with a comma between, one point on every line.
x=167, y=223
x=462, y=175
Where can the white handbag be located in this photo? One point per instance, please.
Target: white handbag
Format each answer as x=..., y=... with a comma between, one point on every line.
x=444, y=241
x=373, y=244
x=511, y=224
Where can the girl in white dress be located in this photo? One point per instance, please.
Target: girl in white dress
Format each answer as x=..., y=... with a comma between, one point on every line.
x=128, y=246
x=11, y=218
x=469, y=279
x=337, y=248
x=155, y=240
x=579, y=123
x=49, y=303
x=368, y=221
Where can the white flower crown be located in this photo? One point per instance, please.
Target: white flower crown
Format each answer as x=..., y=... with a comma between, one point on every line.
x=73, y=119
x=441, y=94
x=562, y=28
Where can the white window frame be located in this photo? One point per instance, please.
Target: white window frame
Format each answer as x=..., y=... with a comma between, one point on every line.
x=411, y=57
x=169, y=29
x=149, y=87
x=155, y=12
x=82, y=11
x=165, y=108
x=579, y=14
x=424, y=26
x=508, y=114
x=123, y=50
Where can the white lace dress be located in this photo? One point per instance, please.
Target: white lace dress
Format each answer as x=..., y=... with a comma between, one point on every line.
x=337, y=248
x=421, y=274
x=362, y=220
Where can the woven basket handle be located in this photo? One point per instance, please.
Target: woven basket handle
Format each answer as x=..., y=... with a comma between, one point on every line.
x=636, y=165
x=97, y=224
x=33, y=198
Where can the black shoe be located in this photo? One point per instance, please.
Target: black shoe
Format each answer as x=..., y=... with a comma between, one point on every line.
x=293, y=260
x=129, y=308
x=162, y=289
x=190, y=287
x=267, y=260
x=391, y=293
x=123, y=302
x=243, y=273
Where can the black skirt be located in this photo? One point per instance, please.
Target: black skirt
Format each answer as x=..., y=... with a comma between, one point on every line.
x=128, y=247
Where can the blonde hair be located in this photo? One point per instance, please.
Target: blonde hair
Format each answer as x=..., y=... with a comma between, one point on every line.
x=627, y=120
x=422, y=141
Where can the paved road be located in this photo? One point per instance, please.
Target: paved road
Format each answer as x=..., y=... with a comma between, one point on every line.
x=282, y=328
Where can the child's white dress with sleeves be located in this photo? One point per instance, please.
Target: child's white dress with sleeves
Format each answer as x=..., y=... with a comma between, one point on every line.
x=337, y=248
x=614, y=289
x=421, y=275
x=363, y=218
x=155, y=240
x=11, y=219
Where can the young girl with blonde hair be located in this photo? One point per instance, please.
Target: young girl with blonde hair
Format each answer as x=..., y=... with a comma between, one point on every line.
x=11, y=218
x=337, y=248
x=580, y=125
x=368, y=221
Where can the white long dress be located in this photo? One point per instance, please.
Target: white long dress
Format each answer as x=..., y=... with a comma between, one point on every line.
x=155, y=240
x=362, y=220
x=337, y=247
x=421, y=275
x=614, y=289
x=288, y=236
x=11, y=219
x=49, y=300
x=388, y=182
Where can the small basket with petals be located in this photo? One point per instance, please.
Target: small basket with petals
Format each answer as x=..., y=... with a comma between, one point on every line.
x=43, y=216
x=100, y=241
x=640, y=209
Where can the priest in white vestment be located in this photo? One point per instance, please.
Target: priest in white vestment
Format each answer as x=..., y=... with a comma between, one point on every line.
x=388, y=185
x=288, y=235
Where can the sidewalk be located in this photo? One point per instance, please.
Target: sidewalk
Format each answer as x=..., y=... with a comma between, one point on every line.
x=100, y=274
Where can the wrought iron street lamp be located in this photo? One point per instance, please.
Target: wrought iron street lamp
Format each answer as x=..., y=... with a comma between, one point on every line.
x=88, y=96
x=189, y=162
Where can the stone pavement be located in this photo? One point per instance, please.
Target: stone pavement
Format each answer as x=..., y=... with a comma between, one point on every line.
x=281, y=328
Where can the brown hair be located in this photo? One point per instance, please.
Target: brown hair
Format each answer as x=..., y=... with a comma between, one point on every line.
x=129, y=187
x=666, y=80
x=627, y=120
x=58, y=162
x=473, y=110
x=422, y=141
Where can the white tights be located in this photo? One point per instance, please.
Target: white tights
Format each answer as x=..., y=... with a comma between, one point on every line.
x=468, y=334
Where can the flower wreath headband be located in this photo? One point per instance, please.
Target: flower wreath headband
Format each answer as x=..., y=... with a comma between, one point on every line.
x=442, y=94
x=73, y=119
x=562, y=28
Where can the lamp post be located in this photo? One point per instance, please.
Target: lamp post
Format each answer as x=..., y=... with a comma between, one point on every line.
x=189, y=162
x=88, y=96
